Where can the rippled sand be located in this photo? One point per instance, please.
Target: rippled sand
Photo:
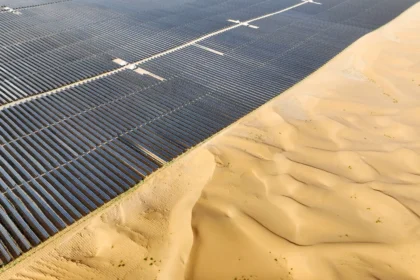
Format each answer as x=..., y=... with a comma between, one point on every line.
x=321, y=183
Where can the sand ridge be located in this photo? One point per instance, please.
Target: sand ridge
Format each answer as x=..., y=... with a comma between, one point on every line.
x=321, y=183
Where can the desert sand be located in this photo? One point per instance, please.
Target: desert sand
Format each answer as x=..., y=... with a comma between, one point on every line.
x=323, y=182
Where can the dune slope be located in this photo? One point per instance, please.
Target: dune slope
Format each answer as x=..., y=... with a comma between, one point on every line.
x=321, y=183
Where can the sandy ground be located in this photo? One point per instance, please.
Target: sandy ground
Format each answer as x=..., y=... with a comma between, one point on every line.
x=321, y=183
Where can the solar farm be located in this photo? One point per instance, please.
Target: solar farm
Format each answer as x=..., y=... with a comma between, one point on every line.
x=95, y=95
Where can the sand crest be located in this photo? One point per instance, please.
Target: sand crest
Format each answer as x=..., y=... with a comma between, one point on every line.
x=321, y=183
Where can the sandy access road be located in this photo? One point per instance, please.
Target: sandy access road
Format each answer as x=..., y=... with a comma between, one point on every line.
x=321, y=183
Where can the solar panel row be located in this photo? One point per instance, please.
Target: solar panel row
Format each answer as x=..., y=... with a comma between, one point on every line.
x=63, y=155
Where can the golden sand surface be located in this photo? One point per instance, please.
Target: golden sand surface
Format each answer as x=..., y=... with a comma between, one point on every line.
x=323, y=182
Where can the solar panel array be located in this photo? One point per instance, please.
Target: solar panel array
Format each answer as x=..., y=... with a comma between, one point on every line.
x=50, y=46
x=65, y=154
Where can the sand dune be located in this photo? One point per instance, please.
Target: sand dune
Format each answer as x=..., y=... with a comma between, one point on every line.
x=321, y=183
